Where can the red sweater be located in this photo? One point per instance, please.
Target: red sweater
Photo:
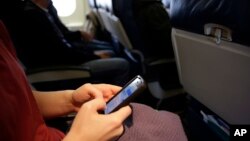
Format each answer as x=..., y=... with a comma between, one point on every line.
x=20, y=118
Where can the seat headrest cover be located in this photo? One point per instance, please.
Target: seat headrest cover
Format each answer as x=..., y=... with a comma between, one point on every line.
x=192, y=15
x=166, y=3
x=105, y=4
x=92, y=3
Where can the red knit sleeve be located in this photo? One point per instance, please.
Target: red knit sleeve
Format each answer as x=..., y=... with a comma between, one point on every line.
x=4, y=35
x=44, y=133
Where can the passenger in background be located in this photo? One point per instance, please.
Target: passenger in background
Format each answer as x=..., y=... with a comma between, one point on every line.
x=45, y=36
x=79, y=37
x=43, y=43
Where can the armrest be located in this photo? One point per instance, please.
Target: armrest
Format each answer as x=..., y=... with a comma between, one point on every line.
x=58, y=77
x=57, y=73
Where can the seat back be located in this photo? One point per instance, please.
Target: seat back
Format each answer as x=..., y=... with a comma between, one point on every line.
x=192, y=15
x=112, y=23
x=216, y=75
x=103, y=14
x=92, y=4
x=213, y=70
x=166, y=4
x=124, y=12
x=93, y=7
x=147, y=25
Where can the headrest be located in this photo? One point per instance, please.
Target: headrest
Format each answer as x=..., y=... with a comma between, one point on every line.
x=109, y=5
x=192, y=15
x=127, y=7
x=105, y=4
x=100, y=3
x=166, y=3
x=92, y=3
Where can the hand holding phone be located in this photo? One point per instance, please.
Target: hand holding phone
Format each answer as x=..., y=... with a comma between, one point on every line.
x=132, y=89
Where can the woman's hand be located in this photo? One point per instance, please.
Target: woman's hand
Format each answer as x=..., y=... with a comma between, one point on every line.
x=91, y=91
x=89, y=125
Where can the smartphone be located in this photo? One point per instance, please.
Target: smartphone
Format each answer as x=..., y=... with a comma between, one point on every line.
x=132, y=89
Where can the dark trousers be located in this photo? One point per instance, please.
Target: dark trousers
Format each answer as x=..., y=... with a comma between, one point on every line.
x=111, y=70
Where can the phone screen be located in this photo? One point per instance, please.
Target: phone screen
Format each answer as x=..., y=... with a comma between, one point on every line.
x=124, y=94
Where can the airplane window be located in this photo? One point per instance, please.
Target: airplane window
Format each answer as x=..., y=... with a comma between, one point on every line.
x=65, y=7
x=72, y=12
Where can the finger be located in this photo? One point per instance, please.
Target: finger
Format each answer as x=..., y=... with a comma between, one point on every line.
x=96, y=104
x=93, y=91
x=86, y=93
x=114, y=88
x=108, y=89
x=122, y=113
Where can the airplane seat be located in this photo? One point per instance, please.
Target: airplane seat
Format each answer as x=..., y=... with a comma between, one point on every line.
x=101, y=8
x=119, y=36
x=93, y=7
x=106, y=11
x=124, y=12
x=94, y=19
x=147, y=26
x=229, y=13
x=212, y=49
x=93, y=14
x=103, y=15
x=166, y=4
x=151, y=37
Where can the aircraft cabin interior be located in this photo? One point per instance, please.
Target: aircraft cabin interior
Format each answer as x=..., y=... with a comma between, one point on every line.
x=194, y=55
